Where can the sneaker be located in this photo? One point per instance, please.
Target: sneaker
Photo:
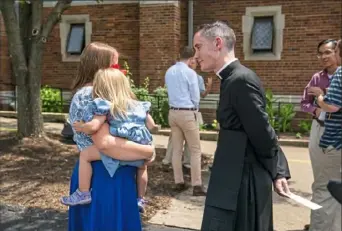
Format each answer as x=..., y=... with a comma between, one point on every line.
x=77, y=198
x=141, y=205
x=166, y=162
x=199, y=190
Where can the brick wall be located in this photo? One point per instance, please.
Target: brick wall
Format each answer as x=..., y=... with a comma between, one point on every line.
x=159, y=40
x=150, y=36
x=111, y=24
x=306, y=23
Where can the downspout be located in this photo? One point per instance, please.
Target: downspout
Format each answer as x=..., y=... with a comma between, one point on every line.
x=190, y=22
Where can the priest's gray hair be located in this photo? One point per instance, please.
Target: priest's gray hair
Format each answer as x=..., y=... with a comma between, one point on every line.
x=219, y=29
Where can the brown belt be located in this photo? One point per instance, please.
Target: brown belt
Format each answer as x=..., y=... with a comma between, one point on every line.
x=183, y=109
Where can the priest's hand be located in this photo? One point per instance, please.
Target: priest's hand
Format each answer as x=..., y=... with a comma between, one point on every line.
x=281, y=187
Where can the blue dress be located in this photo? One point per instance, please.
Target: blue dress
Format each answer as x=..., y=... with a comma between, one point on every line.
x=131, y=127
x=114, y=199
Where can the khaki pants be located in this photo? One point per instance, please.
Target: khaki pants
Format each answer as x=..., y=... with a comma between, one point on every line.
x=168, y=156
x=325, y=166
x=184, y=126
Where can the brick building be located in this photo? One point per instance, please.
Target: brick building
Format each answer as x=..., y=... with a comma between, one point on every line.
x=149, y=35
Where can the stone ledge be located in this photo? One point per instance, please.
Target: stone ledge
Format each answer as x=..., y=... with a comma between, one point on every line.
x=47, y=116
x=213, y=136
x=205, y=135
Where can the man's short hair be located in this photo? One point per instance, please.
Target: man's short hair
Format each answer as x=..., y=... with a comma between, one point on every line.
x=326, y=41
x=219, y=29
x=186, y=53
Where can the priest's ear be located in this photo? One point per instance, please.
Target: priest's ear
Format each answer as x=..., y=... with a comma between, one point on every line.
x=219, y=43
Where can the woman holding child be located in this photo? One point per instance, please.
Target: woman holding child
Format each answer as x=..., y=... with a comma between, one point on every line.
x=103, y=189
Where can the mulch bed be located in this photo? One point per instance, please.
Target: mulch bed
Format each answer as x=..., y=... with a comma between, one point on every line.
x=36, y=172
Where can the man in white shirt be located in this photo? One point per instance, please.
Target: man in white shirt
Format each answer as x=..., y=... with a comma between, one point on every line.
x=203, y=92
x=183, y=94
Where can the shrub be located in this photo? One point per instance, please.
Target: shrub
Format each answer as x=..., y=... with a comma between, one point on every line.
x=159, y=100
x=51, y=99
x=280, y=118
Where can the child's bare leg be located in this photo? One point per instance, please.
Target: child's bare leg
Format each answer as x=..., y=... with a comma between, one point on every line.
x=85, y=170
x=142, y=180
x=82, y=195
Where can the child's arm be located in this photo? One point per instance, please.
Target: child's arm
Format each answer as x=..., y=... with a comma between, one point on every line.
x=91, y=126
x=150, y=124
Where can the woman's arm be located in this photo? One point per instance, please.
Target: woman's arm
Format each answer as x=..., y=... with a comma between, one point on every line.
x=91, y=126
x=120, y=148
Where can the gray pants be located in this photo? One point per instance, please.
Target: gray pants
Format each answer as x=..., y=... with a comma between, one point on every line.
x=326, y=165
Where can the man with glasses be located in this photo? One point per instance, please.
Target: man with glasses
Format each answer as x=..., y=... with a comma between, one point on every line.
x=331, y=143
x=320, y=81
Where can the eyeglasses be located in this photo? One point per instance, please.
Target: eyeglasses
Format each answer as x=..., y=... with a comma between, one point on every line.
x=325, y=53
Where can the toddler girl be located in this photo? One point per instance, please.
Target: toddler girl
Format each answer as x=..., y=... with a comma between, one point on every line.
x=114, y=102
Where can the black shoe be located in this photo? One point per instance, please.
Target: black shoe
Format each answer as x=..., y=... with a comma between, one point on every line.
x=335, y=188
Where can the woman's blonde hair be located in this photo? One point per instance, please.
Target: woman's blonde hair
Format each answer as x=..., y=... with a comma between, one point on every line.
x=95, y=56
x=112, y=85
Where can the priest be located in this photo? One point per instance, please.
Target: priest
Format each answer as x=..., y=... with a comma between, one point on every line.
x=248, y=160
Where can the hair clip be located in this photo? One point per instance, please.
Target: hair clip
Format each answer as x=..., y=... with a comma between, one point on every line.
x=117, y=66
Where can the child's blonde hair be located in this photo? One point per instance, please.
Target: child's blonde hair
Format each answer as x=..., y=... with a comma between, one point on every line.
x=112, y=85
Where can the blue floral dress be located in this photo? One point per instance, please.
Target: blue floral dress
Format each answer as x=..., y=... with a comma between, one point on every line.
x=114, y=199
x=77, y=109
x=131, y=127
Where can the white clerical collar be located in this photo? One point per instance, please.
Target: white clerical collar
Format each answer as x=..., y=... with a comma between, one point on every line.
x=224, y=66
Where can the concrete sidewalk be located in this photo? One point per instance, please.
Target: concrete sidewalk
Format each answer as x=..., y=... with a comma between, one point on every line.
x=186, y=211
x=14, y=218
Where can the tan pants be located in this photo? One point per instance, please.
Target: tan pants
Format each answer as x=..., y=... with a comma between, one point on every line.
x=168, y=156
x=325, y=166
x=184, y=126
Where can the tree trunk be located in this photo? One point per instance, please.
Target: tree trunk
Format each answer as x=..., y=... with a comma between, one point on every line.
x=26, y=44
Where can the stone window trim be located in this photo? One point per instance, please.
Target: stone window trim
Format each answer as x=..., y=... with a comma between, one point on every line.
x=64, y=30
x=247, y=26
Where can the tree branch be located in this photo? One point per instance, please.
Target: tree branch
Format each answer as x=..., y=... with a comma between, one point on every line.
x=16, y=48
x=54, y=17
x=25, y=12
x=36, y=45
x=37, y=14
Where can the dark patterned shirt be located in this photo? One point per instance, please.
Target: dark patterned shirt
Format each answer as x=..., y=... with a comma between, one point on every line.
x=332, y=135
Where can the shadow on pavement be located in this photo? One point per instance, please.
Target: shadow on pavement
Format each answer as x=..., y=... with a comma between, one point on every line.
x=29, y=219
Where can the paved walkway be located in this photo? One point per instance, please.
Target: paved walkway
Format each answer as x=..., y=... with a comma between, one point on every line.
x=14, y=218
x=186, y=211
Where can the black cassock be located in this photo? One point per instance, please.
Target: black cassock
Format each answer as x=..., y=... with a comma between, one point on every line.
x=247, y=159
